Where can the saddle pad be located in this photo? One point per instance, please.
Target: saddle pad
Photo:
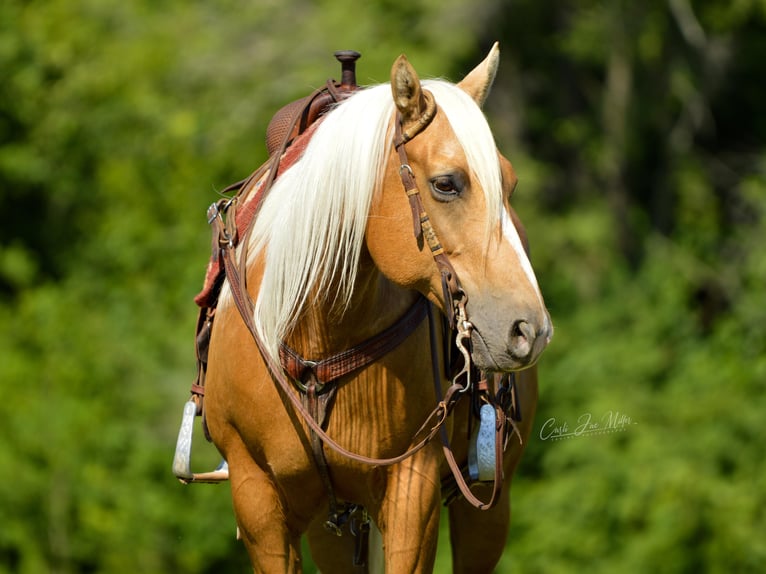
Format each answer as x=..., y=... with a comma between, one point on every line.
x=249, y=200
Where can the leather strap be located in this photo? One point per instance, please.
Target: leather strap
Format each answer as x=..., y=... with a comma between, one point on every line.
x=452, y=291
x=457, y=472
x=318, y=406
x=336, y=366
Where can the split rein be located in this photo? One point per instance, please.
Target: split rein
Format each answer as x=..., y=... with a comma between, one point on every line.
x=455, y=303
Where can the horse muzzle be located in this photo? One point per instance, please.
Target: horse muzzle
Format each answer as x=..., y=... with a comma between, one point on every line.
x=519, y=348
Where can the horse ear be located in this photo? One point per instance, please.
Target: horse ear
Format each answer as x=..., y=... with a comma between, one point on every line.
x=406, y=90
x=479, y=81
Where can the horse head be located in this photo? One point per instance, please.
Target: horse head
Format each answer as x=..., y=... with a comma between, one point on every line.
x=466, y=187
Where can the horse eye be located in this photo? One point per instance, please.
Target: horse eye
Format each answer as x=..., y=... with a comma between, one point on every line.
x=446, y=185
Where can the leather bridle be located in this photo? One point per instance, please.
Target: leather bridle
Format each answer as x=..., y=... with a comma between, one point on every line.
x=455, y=302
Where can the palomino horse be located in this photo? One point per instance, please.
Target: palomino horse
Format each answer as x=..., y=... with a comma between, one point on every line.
x=332, y=263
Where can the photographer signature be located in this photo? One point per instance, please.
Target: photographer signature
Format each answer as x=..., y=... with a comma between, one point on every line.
x=587, y=424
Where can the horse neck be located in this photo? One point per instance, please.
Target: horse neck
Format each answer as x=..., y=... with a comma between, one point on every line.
x=376, y=304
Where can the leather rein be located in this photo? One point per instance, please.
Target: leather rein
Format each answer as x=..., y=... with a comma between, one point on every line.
x=294, y=370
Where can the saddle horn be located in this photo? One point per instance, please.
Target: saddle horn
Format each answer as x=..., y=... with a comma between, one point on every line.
x=296, y=117
x=347, y=59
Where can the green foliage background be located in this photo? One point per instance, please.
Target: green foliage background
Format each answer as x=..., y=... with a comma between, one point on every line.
x=638, y=135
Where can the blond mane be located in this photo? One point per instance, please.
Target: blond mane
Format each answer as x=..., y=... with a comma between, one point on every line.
x=311, y=227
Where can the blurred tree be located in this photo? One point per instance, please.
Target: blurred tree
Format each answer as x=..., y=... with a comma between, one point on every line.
x=636, y=135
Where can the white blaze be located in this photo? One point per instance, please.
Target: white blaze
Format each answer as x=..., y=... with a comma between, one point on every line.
x=511, y=235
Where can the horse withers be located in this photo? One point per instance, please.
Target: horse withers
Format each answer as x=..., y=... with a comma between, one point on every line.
x=326, y=397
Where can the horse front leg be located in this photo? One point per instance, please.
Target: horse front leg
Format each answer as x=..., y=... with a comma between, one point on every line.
x=409, y=515
x=478, y=537
x=332, y=553
x=261, y=517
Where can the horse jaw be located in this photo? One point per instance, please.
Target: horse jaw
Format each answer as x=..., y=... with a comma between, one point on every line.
x=478, y=81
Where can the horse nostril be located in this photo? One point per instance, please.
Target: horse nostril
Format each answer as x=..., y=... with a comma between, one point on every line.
x=522, y=339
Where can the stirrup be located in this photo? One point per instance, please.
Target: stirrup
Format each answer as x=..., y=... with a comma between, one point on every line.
x=481, y=450
x=182, y=458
